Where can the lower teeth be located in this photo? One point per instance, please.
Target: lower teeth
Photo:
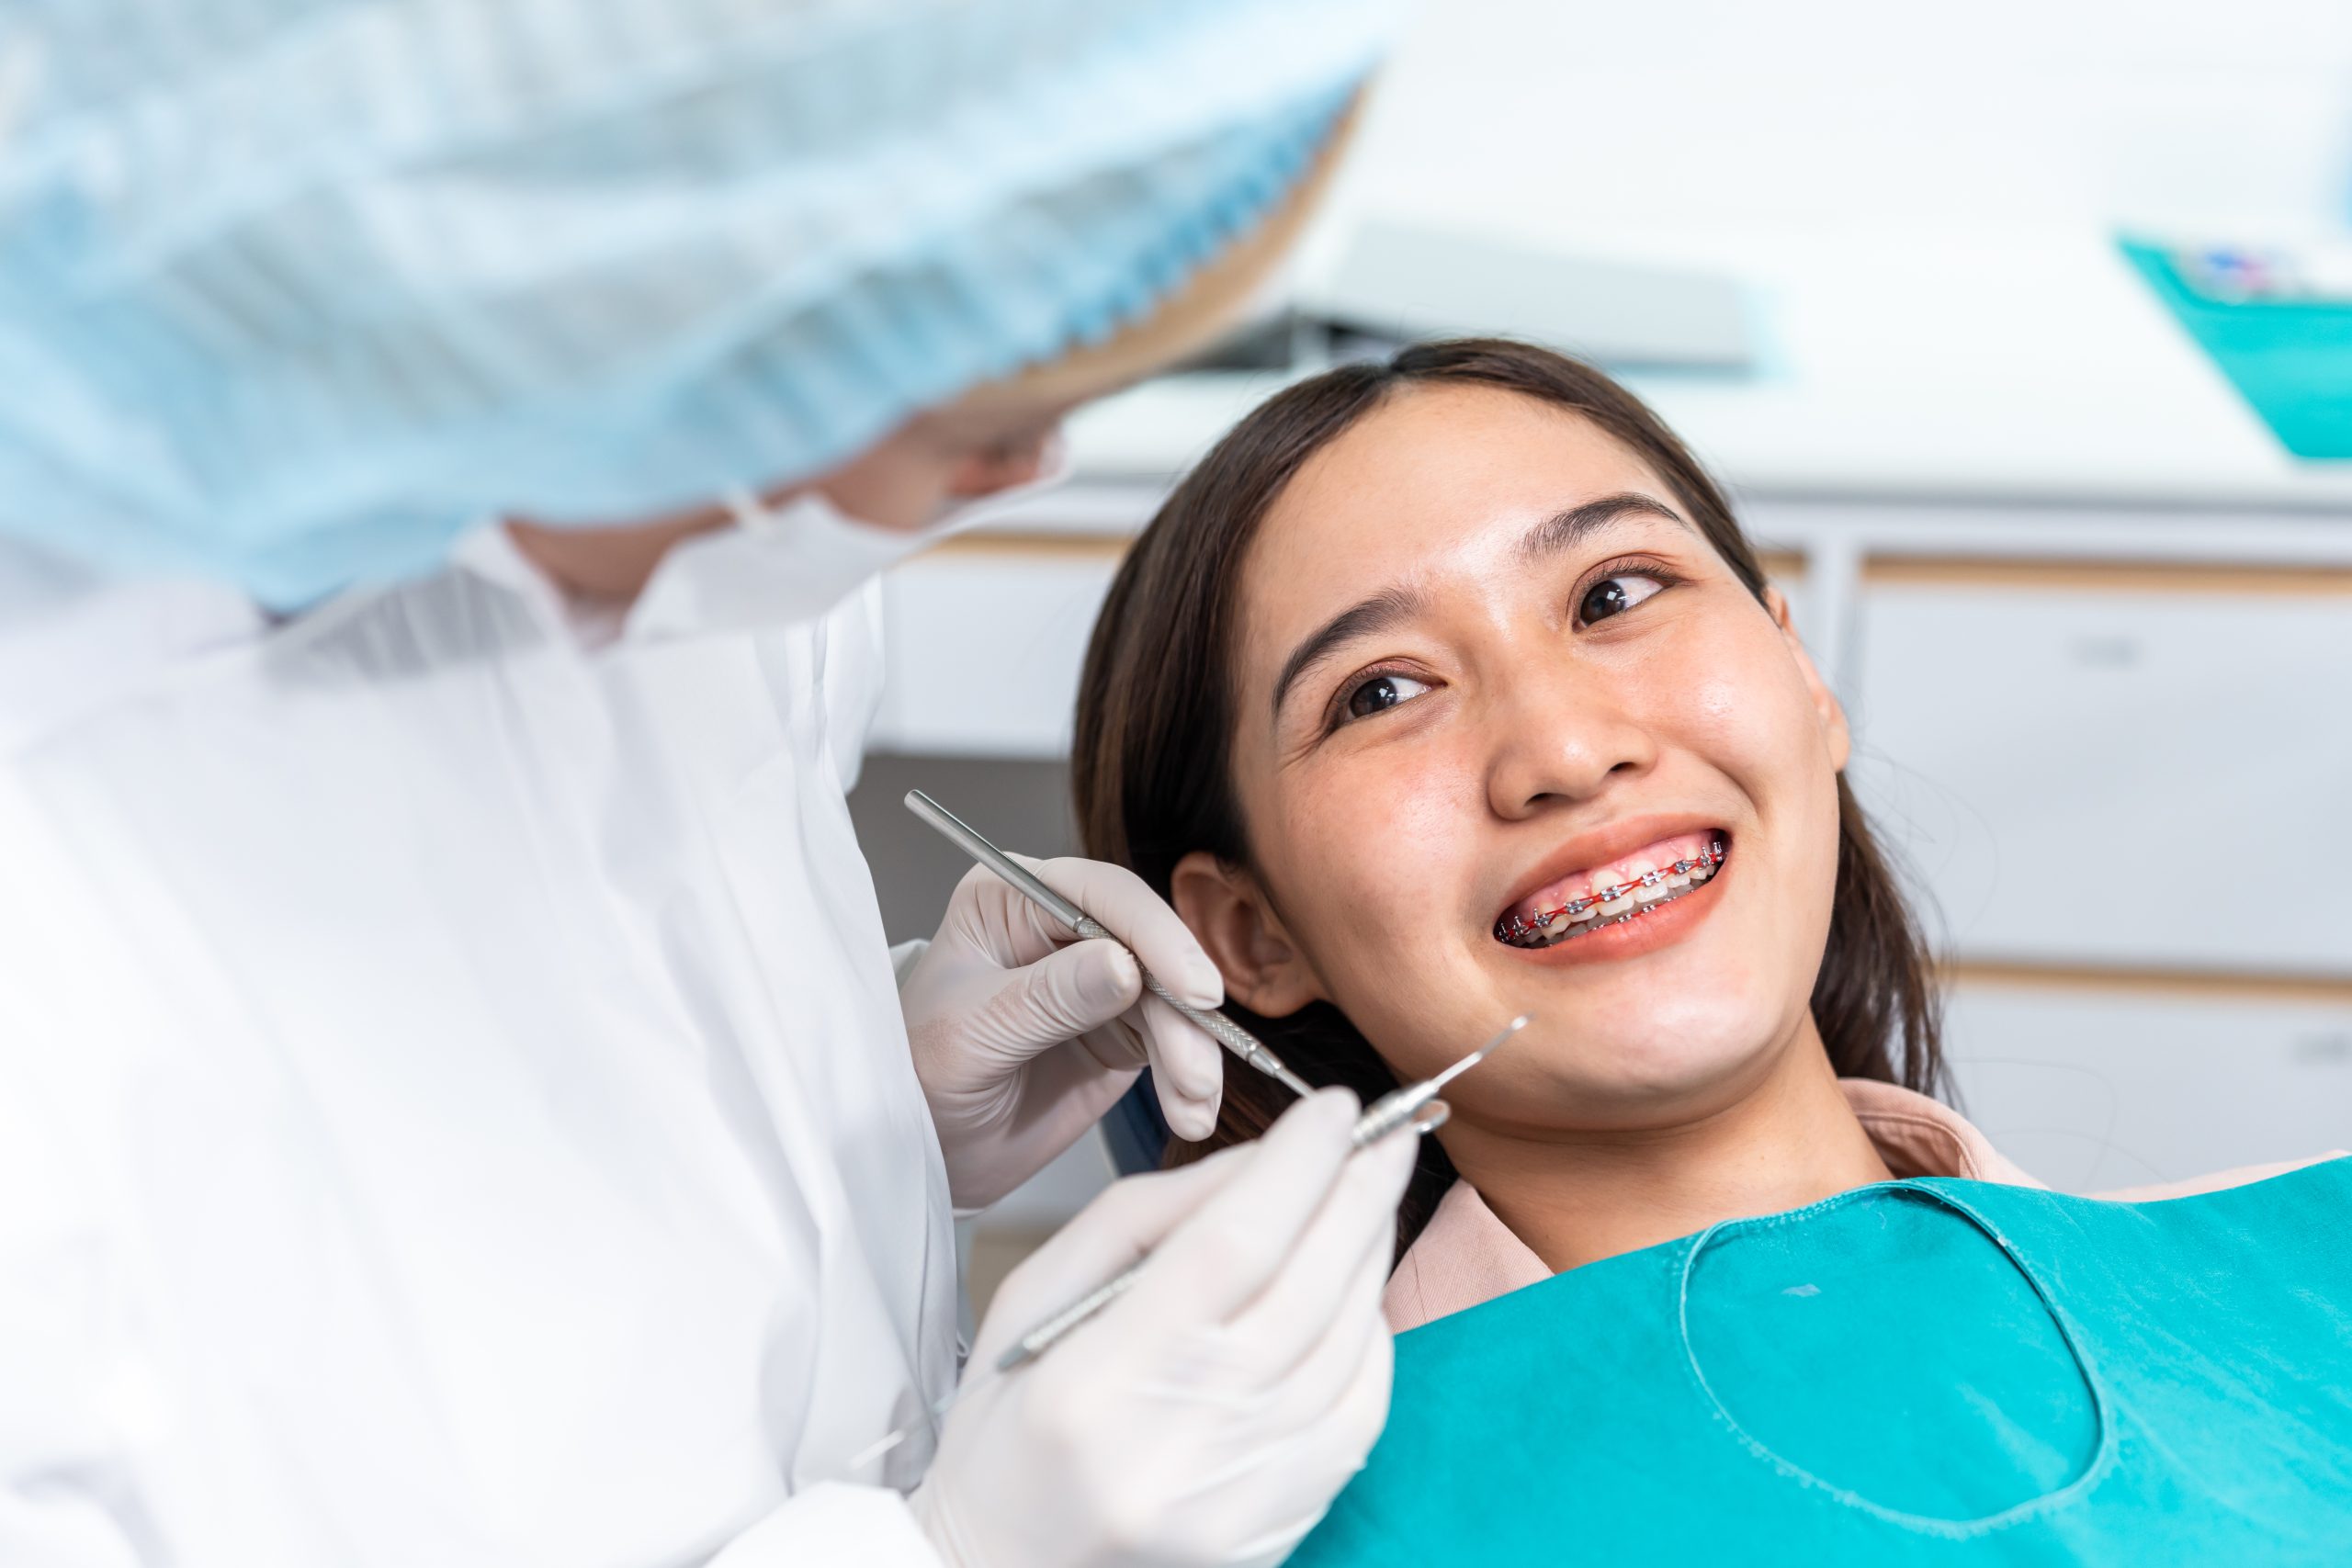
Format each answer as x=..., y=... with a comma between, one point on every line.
x=1554, y=939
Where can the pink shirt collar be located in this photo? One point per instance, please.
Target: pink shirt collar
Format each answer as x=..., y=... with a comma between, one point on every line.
x=1468, y=1256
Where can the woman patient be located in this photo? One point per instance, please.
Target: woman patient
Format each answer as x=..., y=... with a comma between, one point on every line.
x=1450, y=689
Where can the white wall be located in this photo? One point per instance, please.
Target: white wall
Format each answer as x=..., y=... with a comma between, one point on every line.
x=1649, y=128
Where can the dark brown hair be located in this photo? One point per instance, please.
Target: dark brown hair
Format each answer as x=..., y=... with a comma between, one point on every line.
x=1150, y=766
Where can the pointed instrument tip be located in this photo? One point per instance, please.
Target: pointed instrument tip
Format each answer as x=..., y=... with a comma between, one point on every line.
x=1483, y=1051
x=1505, y=1033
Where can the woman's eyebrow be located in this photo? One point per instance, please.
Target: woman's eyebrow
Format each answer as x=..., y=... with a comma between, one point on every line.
x=1366, y=618
x=1565, y=530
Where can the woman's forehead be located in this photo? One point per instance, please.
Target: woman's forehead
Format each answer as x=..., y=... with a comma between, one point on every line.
x=1434, y=482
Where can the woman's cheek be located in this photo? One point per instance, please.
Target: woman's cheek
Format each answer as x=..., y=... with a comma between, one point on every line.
x=1746, y=707
x=1356, y=838
x=1373, y=852
x=1729, y=722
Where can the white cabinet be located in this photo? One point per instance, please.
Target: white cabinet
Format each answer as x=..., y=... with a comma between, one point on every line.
x=2150, y=772
x=984, y=642
x=2092, y=1088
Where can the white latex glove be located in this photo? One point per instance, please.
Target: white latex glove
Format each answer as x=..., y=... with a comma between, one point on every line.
x=1211, y=1414
x=1024, y=1036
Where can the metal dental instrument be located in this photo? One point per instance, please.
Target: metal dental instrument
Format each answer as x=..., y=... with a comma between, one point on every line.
x=1415, y=1106
x=1216, y=1025
x=1414, y=1102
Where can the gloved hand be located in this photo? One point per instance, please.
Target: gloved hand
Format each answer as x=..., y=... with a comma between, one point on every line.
x=1211, y=1414
x=1024, y=1036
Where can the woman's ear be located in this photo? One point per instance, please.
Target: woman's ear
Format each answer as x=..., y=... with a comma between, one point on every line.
x=1826, y=706
x=1229, y=914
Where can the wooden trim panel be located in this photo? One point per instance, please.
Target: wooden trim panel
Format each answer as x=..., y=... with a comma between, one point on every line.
x=2110, y=576
x=995, y=546
x=2119, y=980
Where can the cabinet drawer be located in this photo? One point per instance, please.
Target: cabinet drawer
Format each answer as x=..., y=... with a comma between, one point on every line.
x=2091, y=1088
x=984, y=643
x=2153, y=774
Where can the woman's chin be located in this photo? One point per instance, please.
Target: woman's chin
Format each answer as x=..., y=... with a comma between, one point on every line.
x=1653, y=1078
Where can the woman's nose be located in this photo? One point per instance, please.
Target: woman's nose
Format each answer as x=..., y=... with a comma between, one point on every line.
x=1560, y=741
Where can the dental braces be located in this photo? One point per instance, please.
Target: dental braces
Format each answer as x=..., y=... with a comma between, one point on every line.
x=1519, y=927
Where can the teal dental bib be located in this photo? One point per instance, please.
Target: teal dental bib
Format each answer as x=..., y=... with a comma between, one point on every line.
x=1928, y=1371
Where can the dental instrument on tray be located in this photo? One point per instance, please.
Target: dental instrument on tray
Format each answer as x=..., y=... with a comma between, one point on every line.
x=1416, y=1106
x=1214, y=1024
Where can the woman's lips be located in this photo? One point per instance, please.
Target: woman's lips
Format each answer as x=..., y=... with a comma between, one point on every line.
x=1617, y=889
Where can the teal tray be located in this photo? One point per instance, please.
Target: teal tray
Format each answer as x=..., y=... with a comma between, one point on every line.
x=2291, y=361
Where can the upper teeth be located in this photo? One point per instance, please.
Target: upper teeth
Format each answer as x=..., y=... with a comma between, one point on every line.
x=1644, y=883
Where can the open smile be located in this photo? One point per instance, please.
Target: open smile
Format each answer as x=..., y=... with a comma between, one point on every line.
x=1628, y=888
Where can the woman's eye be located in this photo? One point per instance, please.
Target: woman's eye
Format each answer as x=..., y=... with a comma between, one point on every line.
x=1383, y=692
x=1614, y=595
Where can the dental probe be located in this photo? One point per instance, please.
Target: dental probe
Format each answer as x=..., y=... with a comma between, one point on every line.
x=1416, y=1106
x=1216, y=1025
x=1402, y=1105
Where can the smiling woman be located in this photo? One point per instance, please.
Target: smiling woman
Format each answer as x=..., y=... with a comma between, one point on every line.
x=1447, y=690
x=1441, y=690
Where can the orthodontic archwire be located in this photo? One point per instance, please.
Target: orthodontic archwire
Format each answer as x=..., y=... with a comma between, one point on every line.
x=1709, y=857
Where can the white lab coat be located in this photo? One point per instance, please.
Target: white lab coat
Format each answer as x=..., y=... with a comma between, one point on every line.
x=453, y=1105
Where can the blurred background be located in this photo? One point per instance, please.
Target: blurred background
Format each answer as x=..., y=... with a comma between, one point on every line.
x=2023, y=335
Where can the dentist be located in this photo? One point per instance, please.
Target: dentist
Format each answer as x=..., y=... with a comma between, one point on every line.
x=456, y=1107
